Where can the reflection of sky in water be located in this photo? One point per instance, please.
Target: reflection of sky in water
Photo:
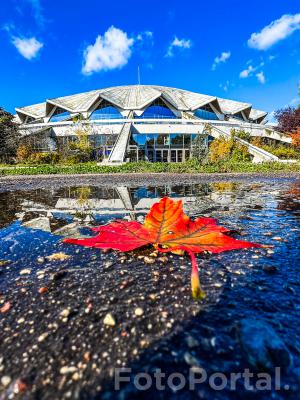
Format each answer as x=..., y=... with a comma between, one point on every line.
x=37, y=219
x=90, y=203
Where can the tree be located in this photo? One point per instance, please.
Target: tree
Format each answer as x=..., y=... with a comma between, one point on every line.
x=9, y=136
x=288, y=119
x=296, y=138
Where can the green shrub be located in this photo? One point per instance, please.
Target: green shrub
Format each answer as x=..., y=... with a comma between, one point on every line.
x=24, y=153
x=222, y=149
x=241, y=134
x=191, y=166
x=240, y=153
x=283, y=152
x=50, y=157
x=76, y=158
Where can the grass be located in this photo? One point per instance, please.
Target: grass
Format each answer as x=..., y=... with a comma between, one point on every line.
x=191, y=166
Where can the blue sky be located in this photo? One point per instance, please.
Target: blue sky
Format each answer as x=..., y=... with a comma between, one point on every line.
x=247, y=51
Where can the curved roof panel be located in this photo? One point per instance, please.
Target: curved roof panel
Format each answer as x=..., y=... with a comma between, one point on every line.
x=185, y=100
x=137, y=97
x=131, y=97
x=232, y=107
x=257, y=114
x=35, y=111
x=75, y=102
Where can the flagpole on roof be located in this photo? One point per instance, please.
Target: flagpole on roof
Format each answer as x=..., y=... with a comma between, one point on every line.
x=139, y=76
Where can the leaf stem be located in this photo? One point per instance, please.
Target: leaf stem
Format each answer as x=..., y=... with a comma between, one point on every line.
x=197, y=292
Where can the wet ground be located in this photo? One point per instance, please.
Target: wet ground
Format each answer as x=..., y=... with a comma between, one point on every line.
x=70, y=316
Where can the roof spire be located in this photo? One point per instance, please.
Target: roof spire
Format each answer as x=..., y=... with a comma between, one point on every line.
x=139, y=76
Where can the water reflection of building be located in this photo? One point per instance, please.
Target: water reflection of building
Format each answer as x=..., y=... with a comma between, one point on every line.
x=67, y=209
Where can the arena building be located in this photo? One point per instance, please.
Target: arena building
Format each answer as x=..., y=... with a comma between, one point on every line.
x=141, y=122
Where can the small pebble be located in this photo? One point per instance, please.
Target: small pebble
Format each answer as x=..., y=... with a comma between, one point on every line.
x=109, y=320
x=3, y=263
x=139, y=312
x=76, y=376
x=5, y=380
x=25, y=271
x=149, y=260
x=108, y=264
x=65, y=313
x=163, y=259
x=58, y=257
x=66, y=370
x=42, y=337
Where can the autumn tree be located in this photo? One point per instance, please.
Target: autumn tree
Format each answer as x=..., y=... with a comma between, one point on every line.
x=295, y=135
x=288, y=119
x=9, y=136
x=289, y=122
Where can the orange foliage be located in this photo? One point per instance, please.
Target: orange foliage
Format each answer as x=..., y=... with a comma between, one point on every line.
x=296, y=138
x=168, y=229
x=23, y=153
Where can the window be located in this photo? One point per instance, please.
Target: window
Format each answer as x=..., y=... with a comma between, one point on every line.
x=105, y=111
x=31, y=120
x=176, y=140
x=206, y=112
x=157, y=109
x=238, y=116
x=59, y=115
x=166, y=147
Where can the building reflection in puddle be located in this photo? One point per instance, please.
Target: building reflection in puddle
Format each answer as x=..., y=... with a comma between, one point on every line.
x=66, y=210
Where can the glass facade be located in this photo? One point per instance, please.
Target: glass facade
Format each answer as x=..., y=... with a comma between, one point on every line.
x=157, y=109
x=238, y=116
x=106, y=111
x=102, y=144
x=206, y=112
x=59, y=115
x=164, y=147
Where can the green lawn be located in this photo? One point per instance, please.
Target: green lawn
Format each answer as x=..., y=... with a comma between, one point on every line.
x=191, y=166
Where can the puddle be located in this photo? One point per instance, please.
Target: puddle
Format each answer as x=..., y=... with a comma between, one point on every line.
x=91, y=283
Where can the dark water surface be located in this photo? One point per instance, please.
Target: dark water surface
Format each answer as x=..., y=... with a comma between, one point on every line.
x=39, y=338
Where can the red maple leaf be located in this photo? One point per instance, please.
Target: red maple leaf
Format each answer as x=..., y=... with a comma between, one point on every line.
x=168, y=229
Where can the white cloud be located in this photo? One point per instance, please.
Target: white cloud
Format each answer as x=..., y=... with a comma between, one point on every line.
x=28, y=48
x=37, y=12
x=8, y=27
x=225, y=86
x=110, y=51
x=247, y=72
x=274, y=32
x=250, y=71
x=179, y=43
x=146, y=34
x=225, y=55
x=261, y=77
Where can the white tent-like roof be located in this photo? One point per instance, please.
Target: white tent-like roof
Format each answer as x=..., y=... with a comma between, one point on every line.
x=137, y=97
